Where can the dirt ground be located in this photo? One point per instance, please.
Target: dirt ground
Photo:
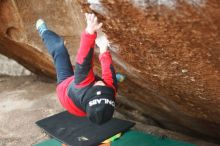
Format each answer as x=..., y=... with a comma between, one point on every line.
x=24, y=100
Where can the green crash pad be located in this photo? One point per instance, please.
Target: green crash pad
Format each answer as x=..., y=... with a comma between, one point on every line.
x=136, y=138
x=49, y=142
x=132, y=138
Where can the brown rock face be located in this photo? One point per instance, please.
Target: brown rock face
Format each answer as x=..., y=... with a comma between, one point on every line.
x=19, y=38
x=168, y=50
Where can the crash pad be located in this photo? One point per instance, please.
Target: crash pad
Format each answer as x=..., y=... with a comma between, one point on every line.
x=137, y=138
x=79, y=131
x=49, y=142
x=131, y=138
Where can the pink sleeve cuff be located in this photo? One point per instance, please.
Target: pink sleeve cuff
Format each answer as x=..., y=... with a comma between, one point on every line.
x=89, y=36
x=104, y=55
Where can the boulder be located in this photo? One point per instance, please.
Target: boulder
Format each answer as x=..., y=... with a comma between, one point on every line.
x=169, y=51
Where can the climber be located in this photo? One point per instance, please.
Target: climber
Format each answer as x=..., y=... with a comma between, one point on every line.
x=80, y=91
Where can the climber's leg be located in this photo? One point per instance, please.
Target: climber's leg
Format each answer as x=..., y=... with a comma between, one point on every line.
x=55, y=45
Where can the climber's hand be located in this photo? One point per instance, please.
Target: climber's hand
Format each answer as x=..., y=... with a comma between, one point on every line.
x=102, y=42
x=92, y=23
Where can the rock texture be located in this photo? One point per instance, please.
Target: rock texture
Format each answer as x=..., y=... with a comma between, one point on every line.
x=169, y=51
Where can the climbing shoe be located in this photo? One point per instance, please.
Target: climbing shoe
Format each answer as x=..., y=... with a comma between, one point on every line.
x=41, y=26
x=120, y=77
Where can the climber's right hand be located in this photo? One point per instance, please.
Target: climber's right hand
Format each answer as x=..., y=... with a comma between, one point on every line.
x=92, y=23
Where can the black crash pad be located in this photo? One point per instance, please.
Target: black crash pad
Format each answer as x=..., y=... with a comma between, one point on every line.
x=79, y=131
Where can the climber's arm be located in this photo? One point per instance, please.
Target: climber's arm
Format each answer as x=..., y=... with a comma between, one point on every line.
x=108, y=71
x=83, y=72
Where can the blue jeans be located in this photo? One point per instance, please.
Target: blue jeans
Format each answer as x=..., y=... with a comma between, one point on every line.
x=55, y=45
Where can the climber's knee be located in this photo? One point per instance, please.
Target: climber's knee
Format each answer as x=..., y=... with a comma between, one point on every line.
x=57, y=47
